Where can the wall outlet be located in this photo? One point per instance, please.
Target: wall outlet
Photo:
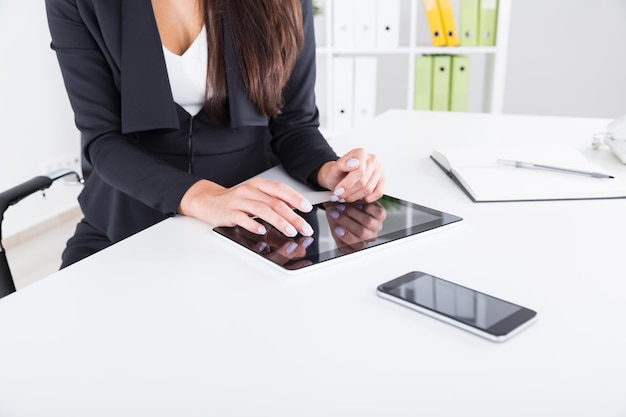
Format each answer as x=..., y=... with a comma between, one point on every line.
x=69, y=161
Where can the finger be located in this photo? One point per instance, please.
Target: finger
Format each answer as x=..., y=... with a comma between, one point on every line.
x=274, y=202
x=275, y=238
x=363, y=187
x=355, y=160
x=352, y=160
x=250, y=224
x=285, y=193
x=277, y=213
x=370, y=192
x=362, y=182
x=377, y=193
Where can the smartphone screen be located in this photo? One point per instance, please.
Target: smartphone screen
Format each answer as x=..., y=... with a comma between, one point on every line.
x=477, y=312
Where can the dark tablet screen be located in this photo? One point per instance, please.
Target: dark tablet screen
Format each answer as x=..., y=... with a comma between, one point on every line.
x=341, y=229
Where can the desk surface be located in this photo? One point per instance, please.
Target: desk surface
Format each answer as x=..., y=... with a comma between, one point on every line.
x=175, y=321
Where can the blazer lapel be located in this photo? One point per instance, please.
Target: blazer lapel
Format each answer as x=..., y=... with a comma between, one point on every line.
x=147, y=101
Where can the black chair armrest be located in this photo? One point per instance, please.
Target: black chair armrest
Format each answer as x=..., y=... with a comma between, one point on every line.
x=13, y=196
x=23, y=190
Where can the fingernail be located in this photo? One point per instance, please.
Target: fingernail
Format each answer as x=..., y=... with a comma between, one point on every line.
x=341, y=200
x=334, y=214
x=333, y=198
x=291, y=247
x=291, y=231
x=262, y=230
x=306, y=206
x=339, y=191
x=340, y=231
x=307, y=230
x=352, y=162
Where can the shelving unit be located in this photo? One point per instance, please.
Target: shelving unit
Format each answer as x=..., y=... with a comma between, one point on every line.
x=395, y=66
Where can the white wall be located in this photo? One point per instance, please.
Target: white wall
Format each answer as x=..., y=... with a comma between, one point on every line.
x=567, y=58
x=36, y=122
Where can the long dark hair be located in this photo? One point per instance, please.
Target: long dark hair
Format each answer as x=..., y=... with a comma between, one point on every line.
x=267, y=36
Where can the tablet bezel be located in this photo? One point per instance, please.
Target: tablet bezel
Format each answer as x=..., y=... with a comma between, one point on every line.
x=258, y=244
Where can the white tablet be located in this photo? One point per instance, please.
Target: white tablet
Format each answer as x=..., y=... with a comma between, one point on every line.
x=341, y=229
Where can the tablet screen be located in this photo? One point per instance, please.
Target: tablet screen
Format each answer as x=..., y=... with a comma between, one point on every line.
x=341, y=229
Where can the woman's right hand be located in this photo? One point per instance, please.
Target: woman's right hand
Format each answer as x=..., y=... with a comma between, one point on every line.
x=269, y=200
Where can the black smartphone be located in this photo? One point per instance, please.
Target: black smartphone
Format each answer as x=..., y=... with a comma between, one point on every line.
x=471, y=310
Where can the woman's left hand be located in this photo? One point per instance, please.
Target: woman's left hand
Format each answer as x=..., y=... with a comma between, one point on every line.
x=355, y=176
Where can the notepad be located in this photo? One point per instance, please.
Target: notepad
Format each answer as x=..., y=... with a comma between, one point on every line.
x=475, y=170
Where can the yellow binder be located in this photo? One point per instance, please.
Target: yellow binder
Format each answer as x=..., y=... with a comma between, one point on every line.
x=431, y=7
x=449, y=25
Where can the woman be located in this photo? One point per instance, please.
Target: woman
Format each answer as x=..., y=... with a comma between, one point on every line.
x=178, y=101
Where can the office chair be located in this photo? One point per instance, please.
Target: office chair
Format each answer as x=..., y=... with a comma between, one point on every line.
x=13, y=196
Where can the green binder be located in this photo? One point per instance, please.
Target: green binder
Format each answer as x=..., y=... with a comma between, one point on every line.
x=468, y=22
x=487, y=22
x=459, y=83
x=442, y=65
x=423, y=92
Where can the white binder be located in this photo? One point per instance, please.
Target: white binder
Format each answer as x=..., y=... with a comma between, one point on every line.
x=365, y=24
x=365, y=71
x=343, y=93
x=388, y=23
x=343, y=23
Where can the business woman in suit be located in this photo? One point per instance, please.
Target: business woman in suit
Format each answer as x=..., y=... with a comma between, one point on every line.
x=179, y=101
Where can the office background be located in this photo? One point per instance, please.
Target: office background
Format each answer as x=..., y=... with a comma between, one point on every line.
x=565, y=58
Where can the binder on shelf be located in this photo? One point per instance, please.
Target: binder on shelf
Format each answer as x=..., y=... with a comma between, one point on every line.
x=487, y=22
x=365, y=72
x=343, y=24
x=468, y=22
x=459, y=83
x=441, y=82
x=423, y=90
x=365, y=24
x=435, y=24
x=343, y=93
x=449, y=23
x=387, y=24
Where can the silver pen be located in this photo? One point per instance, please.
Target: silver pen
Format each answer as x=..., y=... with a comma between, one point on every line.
x=522, y=164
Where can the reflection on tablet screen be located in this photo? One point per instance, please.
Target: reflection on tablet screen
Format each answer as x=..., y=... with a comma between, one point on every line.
x=340, y=229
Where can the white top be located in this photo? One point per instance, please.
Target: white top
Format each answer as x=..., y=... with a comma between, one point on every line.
x=188, y=74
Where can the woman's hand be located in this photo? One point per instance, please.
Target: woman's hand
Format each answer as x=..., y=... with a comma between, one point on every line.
x=269, y=200
x=355, y=176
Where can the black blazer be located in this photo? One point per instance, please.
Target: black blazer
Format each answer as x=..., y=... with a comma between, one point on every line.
x=146, y=151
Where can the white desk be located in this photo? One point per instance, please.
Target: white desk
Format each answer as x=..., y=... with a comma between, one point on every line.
x=176, y=322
